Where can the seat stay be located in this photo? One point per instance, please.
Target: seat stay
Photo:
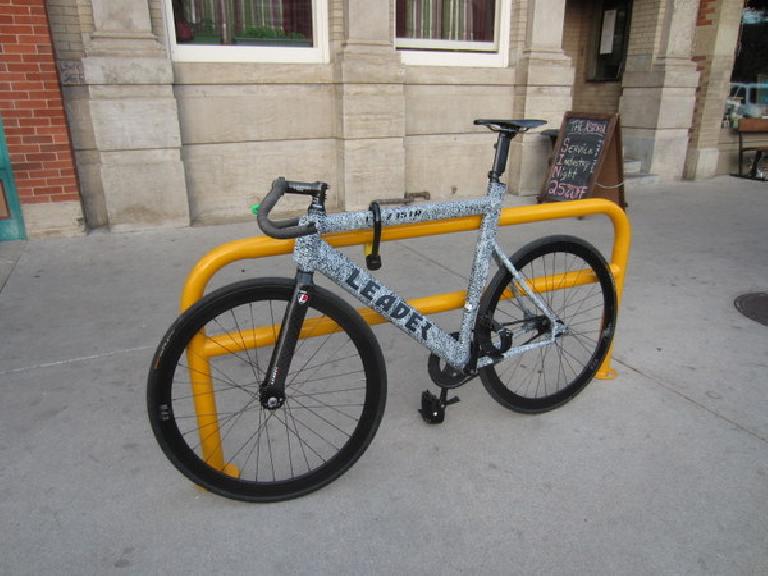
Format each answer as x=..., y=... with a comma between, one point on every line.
x=530, y=293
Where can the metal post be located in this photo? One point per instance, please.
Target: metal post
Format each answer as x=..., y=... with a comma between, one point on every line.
x=202, y=348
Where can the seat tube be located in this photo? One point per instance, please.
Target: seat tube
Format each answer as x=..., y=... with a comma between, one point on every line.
x=481, y=265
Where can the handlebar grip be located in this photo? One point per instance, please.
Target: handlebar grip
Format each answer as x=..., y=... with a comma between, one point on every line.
x=280, y=229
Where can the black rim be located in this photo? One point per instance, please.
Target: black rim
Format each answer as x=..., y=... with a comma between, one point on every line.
x=334, y=398
x=546, y=377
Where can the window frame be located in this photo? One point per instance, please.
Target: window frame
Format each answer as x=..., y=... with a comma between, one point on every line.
x=430, y=52
x=594, y=51
x=317, y=53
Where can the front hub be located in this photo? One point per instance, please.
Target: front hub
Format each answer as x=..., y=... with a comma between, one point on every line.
x=271, y=398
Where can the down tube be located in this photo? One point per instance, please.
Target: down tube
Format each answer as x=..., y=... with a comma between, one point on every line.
x=388, y=303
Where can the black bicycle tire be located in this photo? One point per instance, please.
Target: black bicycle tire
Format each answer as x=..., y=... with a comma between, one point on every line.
x=190, y=322
x=550, y=244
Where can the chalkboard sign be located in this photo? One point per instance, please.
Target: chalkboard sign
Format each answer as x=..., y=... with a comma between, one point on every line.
x=587, y=160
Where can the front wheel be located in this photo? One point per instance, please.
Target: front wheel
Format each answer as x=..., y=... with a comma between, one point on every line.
x=574, y=281
x=204, y=393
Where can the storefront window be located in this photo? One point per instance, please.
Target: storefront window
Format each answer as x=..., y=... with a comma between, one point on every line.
x=610, y=45
x=447, y=25
x=244, y=22
x=748, y=96
x=248, y=30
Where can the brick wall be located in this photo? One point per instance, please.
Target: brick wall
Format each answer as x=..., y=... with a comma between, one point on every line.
x=32, y=108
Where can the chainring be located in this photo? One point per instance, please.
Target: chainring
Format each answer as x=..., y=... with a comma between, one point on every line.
x=443, y=374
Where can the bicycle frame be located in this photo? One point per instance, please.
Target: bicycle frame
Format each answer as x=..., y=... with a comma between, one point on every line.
x=312, y=253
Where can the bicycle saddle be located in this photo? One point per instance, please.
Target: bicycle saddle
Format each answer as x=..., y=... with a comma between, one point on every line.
x=510, y=125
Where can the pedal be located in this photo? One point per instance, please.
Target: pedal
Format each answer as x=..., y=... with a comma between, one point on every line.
x=431, y=411
x=433, y=408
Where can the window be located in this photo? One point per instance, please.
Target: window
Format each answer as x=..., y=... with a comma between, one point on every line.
x=610, y=49
x=452, y=32
x=446, y=24
x=241, y=30
x=749, y=80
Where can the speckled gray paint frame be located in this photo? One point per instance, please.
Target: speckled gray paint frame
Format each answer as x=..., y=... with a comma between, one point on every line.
x=312, y=253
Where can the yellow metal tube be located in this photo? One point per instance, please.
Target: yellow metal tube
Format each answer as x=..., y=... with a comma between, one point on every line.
x=205, y=403
x=262, y=247
x=230, y=343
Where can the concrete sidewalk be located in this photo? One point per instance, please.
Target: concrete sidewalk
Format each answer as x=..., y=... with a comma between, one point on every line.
x=662, y=471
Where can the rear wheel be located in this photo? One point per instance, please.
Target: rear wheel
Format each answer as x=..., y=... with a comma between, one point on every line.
x=574, y=281
x=334, y=393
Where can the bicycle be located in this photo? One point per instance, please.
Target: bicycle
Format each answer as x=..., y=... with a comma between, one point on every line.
x=298, y=387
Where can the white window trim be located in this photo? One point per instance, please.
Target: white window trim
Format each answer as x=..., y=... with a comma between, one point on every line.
x=418, y=52
x=318, y=53
x=429, y=44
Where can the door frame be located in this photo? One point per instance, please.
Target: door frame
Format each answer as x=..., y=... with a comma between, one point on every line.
x=11, y=227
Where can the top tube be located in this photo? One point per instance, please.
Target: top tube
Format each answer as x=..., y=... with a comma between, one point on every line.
x=362, y=219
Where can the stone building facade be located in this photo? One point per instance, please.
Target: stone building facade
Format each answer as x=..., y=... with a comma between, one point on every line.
x=165, y=133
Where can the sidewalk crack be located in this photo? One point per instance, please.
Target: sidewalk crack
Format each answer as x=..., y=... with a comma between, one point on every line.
x=4, y=277
x=73, y=360
x=684, y=396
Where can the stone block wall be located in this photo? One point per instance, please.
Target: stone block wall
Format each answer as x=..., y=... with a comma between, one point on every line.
x=156, y=17
x=363, y=122
x=645, y=37
x=712, y=146
x=215, y=134
x=35, y=122
x=659, y=85
x=65, y=20
x=244, y=124
x=703, y=154
x=445, y=154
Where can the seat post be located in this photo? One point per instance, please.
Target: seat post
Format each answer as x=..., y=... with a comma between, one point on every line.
x=500, y=160
x=507, y=130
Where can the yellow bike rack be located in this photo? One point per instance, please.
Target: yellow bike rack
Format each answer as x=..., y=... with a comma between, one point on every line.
x=201, y=348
